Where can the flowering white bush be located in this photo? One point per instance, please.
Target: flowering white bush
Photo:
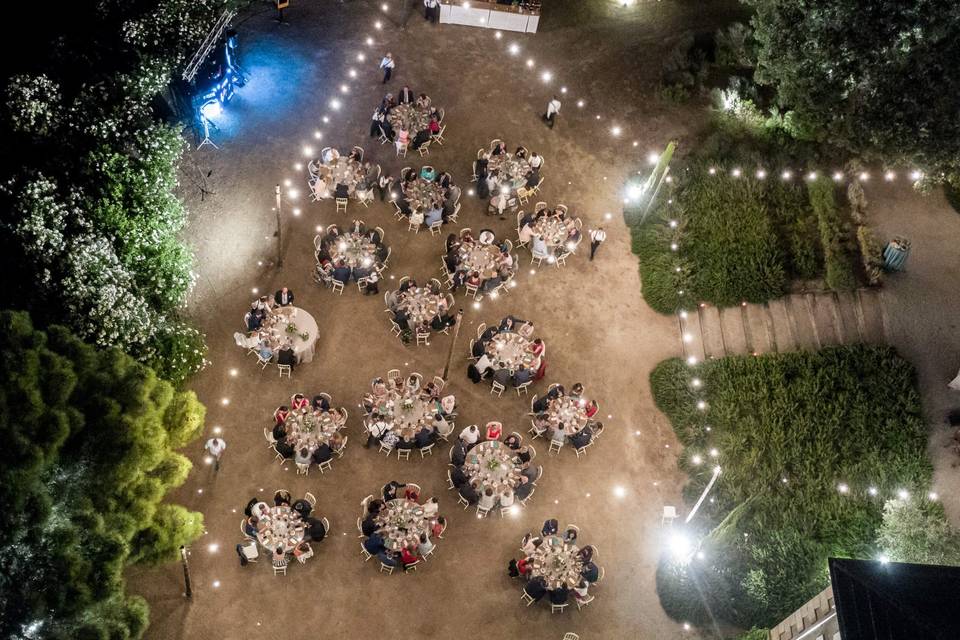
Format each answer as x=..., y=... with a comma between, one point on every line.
x=33, y=104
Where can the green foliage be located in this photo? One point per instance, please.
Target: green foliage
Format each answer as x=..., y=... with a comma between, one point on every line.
x=755, y=634
x=843, y=414
x=736, y=46
x=90, y=194
x=917, y=531
x=88, y=456
x=867, y=77
x=952, y=194
x=836, y=253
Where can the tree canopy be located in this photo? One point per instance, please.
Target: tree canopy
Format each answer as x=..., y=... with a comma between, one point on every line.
x=89, y=439
x=877, y=78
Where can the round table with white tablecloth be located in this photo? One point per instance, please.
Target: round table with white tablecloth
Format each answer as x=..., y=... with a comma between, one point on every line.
x=280, y=527
x=481, y=258
x=409, y=116
x=354, y=249
x=308, y=428
x=553, y=230
x=401, y=522
x=420, y=305
x=293, y=323
x=423, y=195
x=510, y=348
x=570, y=411
x=495, y=465
x=557, y=562
x=512, y=171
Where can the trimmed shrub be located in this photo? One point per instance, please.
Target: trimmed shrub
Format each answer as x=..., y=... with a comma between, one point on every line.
x=789, y=428
x=836, y=255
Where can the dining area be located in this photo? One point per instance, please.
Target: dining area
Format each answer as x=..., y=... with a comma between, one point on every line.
x=426, y=198
x=550, y=234
x=342, y=177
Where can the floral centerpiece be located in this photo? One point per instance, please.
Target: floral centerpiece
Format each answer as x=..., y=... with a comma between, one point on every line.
x=493, y=464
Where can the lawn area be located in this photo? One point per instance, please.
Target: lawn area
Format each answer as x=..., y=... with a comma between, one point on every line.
x=810, y=445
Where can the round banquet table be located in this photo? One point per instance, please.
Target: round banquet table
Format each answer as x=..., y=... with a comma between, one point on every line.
x=341, y=170
x=401, y=522
x=410, y=117
x=423, y=194
x=308, y=428
x=552, y=229
x=283, y=317
x=493, y=463
x=557, y=563
x=420, y=305
x=406, y=414
x=571, y=412
x=355, y=249
x=512, y=170
x=511, y=349
x=284, y=528
x=482, y=258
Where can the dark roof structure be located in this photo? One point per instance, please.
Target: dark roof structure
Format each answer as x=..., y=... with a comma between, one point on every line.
x=896, y=601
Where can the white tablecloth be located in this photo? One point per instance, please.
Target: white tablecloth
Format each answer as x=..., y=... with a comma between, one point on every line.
x=305, y=324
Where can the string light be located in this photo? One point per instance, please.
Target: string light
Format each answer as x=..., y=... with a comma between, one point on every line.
x=889, y=176
x=761, y=174
x=514, y=48
x=530, y=62
x=735, y=173
x=546, y=76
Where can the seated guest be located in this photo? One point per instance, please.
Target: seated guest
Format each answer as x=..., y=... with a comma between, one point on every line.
x=470, y=435
x=403, y=138
x=478, y=349
x=536, y=588
x=265, y=350
x=585, y=553
x=469, y=492
x=315, y=530
x=560, y=595
x=252, y=320
x=539, y=247
x=529, y=472
x=369, y=525
x=580, y=591
x=524, y=454
x=281, y=498
x=433, y=127
x=287, y=356
x=524, y=489
x=521, y=376
x=302, y=456
x=533, y=179
x=499, y=149
x=323, y=453
x=320, y=403
x=408, y=557
x=512, y=441
x=374, y=544
x=425, y=546
x=488, y=334
x=550, y=527
x=424, y=438
x=590, y=572
x=494, y=430
x=433, y=215
x=570, y=536
x=250, y=526
x=423, y=101
x=530, y=543
x=387, y=558
x=303, y=549
x=284, y=448
x=592, y=408
x=375, y=506
x=506, y=499
x=502, y=375
x=536, y=347
x=279, y=431
x=390, y=490
x=299, y=401
x=576, y=391
x=302, y=507
x=281, y=414
x=431, y=507
x=441, y=426
x=405, y=96
x=283, y=297
x=535, y=160
x=280, y=558
x=582, y=438
x=420, y=139
x=487, y=499
x=341, y=272
x=459, y=477
x=377, y=428
x=437, y=529
x=406, y=442
x=485, y=365
x=459, y=455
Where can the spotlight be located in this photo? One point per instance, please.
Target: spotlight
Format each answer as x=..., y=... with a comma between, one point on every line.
x=497, y=35
x=335, y=104
x=514, y=48
x=547, y=76
x=307, y=151
x=530, y=62
x=680, y=546
x=580, y=103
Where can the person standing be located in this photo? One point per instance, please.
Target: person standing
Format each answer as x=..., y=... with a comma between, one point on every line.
x=387, y=64
x=432, y=10
x=553, y=108
x=597, y=236
x=215, y=447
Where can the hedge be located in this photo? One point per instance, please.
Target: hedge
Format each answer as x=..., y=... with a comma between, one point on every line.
x=836, y=254
x=789, y=428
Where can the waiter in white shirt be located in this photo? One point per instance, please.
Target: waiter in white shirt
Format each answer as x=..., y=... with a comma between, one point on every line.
x=597, y=236
x=215, y=447
x=432, y=12
x=553, y=108
x=387, y=64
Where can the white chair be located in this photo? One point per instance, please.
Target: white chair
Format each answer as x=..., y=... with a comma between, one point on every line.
x=263, y=363
x=337, y=286
x=303, y=557
x=669, y=515
x=424, y=149
x=438, y=137
x=523, y=387
x=450, y=487
x=423, y=338
x=497, y=388
x=303, y=468
x=570, y=635
x=412, y=566
x=481, y=512
x=582, y=603
x=435, y=228
x=364, y=553
x=325, y=466
x=582, y=451
x=280, y=571
x=439, y=383
x=285, y=369
x=312, y=499
x=536, y=431
x=401, y=150
x=555, y=446
x=558, y=608
x=425, y=450
x=341, y=205
x=269, y=437
x=385, y=449
x=386, y=568
x=526, y=598
x=403, y=454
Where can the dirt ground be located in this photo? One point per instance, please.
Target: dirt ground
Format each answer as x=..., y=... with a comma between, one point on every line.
x=591, y=316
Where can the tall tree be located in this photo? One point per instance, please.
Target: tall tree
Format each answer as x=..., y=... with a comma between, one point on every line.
x=878, y=78
x=89, y=439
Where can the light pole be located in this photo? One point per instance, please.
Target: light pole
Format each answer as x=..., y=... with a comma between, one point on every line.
x=453, y=342
x=279, y=230
x=187, y=590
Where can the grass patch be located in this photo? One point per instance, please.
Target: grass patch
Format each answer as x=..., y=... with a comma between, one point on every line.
x=814, y=419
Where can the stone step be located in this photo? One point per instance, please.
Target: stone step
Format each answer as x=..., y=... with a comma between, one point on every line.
x=692, y=336
x=734, y=333
x=759, y=328
x=783, y=332
x=871, y=314
x=710, y=329
x=801, y=319
x=849, y=316
x=826, y=318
